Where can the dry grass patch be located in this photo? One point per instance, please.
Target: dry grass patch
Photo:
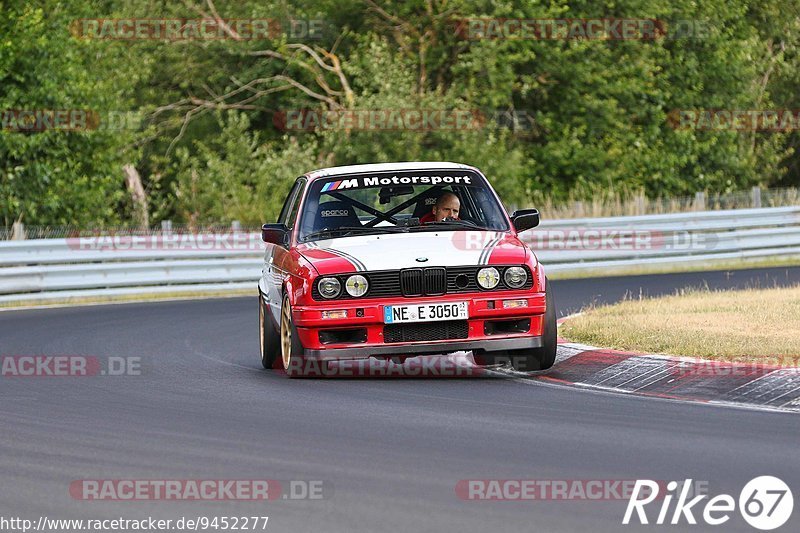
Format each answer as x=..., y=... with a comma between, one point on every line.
x=746, y=325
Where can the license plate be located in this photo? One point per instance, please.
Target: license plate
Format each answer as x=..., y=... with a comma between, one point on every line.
x=393, y=314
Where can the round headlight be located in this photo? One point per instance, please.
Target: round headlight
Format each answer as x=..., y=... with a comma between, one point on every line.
x=329, y=287
x=356, y=285
x=488, y=278
x=515, y=277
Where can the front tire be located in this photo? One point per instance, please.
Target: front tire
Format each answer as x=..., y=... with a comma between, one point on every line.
x=291, y=350
x=544, y=357
x=268, y=336
x=530, y=360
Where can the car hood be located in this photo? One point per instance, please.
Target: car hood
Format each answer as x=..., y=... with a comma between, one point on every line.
x=406, y=250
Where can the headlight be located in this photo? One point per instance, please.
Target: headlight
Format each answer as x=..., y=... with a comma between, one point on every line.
x=515, y=277
x=488, y=278
x=329, y=287
x=356, y=285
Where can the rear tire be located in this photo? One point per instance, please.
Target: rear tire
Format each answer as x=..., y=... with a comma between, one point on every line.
x=269, y=338
x=291, y=350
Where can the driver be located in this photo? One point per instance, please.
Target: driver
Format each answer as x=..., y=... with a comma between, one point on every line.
x=447, y=206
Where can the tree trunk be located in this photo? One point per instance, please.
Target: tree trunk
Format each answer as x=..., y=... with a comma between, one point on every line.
x=134, y=184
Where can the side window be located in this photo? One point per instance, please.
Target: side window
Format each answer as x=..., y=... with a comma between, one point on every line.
x=290, y=221
x=289, y=210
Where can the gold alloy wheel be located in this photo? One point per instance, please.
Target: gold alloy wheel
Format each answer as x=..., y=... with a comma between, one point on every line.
x=286, y=335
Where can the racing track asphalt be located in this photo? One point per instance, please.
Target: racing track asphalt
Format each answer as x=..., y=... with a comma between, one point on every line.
x=391, y=450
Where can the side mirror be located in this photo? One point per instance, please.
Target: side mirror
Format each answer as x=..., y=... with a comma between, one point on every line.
x=275, y=234
x=525, y=219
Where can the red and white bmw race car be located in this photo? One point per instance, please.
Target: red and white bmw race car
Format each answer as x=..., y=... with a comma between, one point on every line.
x=399, y=260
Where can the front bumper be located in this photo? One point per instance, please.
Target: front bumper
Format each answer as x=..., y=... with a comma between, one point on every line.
x=425, y=348
x=485, y=310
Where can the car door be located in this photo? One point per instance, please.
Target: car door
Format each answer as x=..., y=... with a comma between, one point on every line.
x=276, y=256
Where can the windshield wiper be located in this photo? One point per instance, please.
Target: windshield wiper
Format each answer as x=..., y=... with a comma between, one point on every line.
x=347, y=230
x=453, y=223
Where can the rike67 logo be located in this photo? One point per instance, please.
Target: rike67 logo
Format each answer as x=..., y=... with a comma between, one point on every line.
x=766, y=503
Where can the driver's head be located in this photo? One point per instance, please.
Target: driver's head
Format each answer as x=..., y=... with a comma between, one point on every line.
x=447, y=205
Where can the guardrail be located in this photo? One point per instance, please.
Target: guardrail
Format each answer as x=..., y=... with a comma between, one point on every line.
x=35, y=270
x=673, y=239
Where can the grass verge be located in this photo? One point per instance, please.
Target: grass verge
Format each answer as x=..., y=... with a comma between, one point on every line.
x=738, y=264
x=752, y=325
x=126, y=298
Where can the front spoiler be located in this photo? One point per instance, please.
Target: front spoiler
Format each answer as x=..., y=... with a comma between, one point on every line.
x=414, y=349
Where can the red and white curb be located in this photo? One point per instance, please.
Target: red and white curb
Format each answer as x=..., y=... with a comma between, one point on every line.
x=751, y=385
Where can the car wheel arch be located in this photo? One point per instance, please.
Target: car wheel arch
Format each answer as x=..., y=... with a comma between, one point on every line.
x=287, y=291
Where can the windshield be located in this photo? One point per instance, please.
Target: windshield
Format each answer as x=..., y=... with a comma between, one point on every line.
x=418, y=200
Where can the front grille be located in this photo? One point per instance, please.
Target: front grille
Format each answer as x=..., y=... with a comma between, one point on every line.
x=423, y=281
x=426, y=331
x=411, y=282
x=433, y=281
